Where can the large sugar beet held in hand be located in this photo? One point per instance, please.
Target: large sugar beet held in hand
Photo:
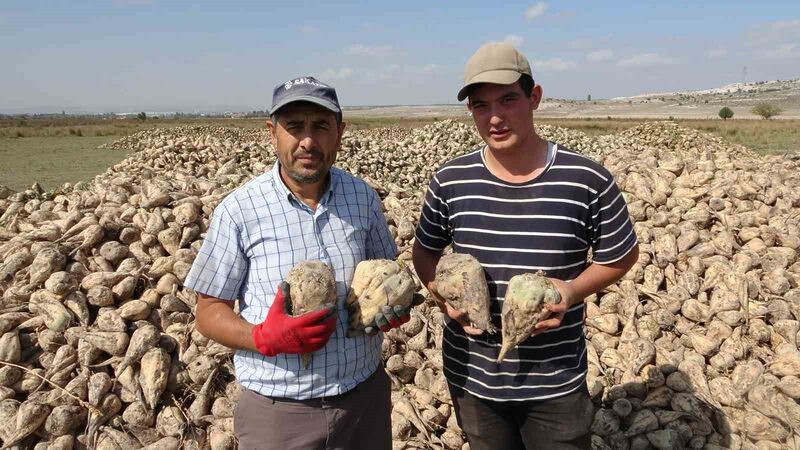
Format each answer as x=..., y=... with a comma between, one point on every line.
x=524, y=306
x=376, y=283
x=311, y=287
x=460, y=281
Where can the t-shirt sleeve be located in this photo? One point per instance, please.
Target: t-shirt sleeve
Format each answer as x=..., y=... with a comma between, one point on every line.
x=220, y=267
x=433, y=230
x=611, y=229
x=380, y=242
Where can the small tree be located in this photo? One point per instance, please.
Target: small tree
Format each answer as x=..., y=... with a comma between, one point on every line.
x=589, y=98
x=725, y=113
x=141, y=116
x=766, y=110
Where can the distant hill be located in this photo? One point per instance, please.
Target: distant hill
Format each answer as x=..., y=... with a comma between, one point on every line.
x=776, y=88
x=706, y=103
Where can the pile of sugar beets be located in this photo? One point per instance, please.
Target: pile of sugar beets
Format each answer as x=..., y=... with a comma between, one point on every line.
x=695, y=348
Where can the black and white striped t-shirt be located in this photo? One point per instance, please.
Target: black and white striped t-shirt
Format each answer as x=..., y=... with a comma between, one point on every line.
x=549, y=224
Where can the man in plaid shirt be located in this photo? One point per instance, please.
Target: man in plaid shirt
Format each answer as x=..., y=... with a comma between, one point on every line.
x=303, y=209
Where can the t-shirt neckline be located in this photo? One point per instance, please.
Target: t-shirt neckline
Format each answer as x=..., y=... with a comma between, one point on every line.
x=552, y=149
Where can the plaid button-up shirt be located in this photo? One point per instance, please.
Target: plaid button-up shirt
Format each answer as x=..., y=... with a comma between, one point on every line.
x=257, y=234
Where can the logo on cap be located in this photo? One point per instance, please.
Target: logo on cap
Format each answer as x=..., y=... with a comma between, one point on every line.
x=303, y=80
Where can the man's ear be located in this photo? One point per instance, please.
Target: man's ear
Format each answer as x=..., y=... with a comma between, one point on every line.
x=536, y=96
x=342, y=126
x=272, y=134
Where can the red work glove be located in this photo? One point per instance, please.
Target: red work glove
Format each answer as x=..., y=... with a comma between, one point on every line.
x=282, y=333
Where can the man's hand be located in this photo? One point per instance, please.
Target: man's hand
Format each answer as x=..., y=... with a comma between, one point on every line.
x=590, y=281
x=282, y=333
x=393, y=316
x=556, y=312
x=449, y=311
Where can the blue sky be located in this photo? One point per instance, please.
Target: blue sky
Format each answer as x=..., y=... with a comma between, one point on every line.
x=153, y=55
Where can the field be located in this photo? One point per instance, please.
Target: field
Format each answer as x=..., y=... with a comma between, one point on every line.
x=52, y=161
x=54, y=151
x=763, y=136
x=695, y=348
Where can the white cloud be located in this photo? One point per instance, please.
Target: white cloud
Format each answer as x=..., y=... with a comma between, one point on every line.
x=773, y=32
x=647, y=60
x=786, y=25
x=308, y=29
x=369, y=25
x=580, y=44
x=566, y=14
x=396, y=71
x=600, y=55
x=716, y=53
x=424, y=69
x=386, y=73
x=515, y=40
x=363, y=50
x=553, y=65
x=133, y=2
x=674, y=39
x=776, y=40
x=785, y=51
x=587, y=43
x=535, y=11
x=333, y=74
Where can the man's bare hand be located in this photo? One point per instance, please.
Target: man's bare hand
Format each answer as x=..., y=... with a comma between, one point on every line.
x=558, y=311
x=455, y=314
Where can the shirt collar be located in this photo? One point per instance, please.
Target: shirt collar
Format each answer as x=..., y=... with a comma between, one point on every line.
x=284, y=191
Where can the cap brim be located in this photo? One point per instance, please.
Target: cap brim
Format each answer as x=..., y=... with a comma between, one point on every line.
x=307, y=98
x=490, y=76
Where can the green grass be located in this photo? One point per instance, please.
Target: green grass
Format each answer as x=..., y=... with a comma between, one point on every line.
x=54, y=161
x=592, y=127
x=763, y=136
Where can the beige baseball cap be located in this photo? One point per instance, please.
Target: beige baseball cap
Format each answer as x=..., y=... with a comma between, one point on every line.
x=495, y=62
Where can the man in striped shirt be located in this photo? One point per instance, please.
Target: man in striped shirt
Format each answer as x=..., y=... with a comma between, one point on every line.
x=522, y=204
x=303, y=209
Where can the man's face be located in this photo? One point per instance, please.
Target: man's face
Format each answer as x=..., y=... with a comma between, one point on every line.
x=306, y=140
x=503, y=114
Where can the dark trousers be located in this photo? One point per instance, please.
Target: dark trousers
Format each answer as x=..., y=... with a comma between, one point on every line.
x=359, y=419
x=561, y=423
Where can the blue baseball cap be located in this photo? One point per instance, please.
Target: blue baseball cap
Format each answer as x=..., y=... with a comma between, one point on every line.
x=305, y=89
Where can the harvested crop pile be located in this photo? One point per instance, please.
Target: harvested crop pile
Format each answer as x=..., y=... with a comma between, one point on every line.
x=695, y=348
